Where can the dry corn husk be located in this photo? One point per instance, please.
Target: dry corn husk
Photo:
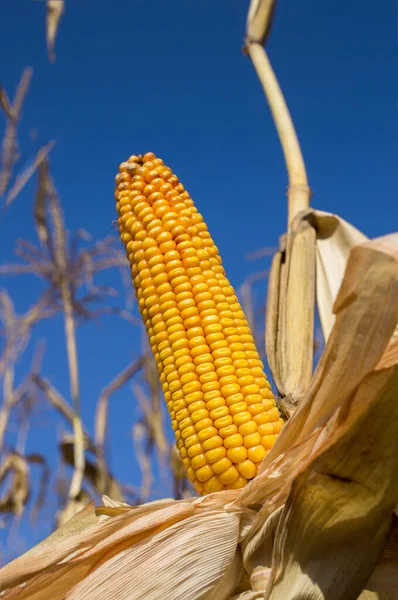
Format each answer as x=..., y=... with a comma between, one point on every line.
x=311, y=262
x=334, y=239
x=297, y=516
x=290, y=312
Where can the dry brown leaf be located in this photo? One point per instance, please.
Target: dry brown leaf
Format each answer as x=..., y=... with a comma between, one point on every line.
x=248, y=596
x=334, y=241
x=55, y=547
x=153, y=530
x=367, y=595
x=55, y=10
x=24, y=177
x=73, y=507
x=385, y=576
x=9, y=154
x=335, y=238
x=367, y=312
x=339, y=513
x=55, y=399
x=366, y=317
x=101, y=417
x=208, y=539
x=290, y=313
x=96, y=473
x=40, y=205
x=15, y=468
x=38, y=459
x=5, y=103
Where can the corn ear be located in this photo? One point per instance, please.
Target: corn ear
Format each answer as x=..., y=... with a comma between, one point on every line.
x=221, y=405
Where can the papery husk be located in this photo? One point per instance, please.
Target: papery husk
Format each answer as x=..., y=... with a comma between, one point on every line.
x=384, y=578
x=345, y=388
x=339, y=512
x=164, y=549
x=335, y=238
x=312, y=260
x=367, y=595
x=366, y=316
x=289, y=327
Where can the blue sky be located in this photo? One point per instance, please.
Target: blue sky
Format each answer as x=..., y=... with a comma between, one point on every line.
x=170, y=77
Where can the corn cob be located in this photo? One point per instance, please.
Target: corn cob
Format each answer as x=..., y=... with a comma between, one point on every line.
x=222, y=409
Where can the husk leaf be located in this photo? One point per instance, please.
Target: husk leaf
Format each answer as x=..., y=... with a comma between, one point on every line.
x=367, y=313
x=127, y=545
x=290, y=313
x=335, y=238
x=338, y=516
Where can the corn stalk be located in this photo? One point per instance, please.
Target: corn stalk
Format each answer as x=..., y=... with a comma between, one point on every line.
x=291, y=289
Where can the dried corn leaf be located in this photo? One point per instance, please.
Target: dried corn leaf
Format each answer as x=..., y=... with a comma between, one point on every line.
x=5, y=103
x=14, y=471
x=367, y=595
x=384, y=578
x=259, y=20
x=56, y=400
x=95, y=473
x=366, y=316
x=55, y=548
x=126, y=546
x=367, y=313
x=290, y=313
x=9, y=154
x=208, y=539
x=249, y=596
x=101, y=418
x=24, y=177
x=334, y=241
x=40, y=205
x=73, y=507
x=338, y=516
x=55, y=10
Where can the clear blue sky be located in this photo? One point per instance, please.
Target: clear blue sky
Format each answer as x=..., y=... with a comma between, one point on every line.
x=170, y=77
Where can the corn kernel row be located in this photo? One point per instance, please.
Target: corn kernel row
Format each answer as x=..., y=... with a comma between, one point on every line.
x=222, y=409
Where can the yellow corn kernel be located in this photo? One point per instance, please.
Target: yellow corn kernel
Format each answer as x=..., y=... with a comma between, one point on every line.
x=204, y=473
x=237, y=454
x=247, y=469
x=256, y=454
x=215, y=455
x=221, y=465
x=239, y=483
x=213, y=485
x=268, y=441
x=229, y=475
x=221, y=406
